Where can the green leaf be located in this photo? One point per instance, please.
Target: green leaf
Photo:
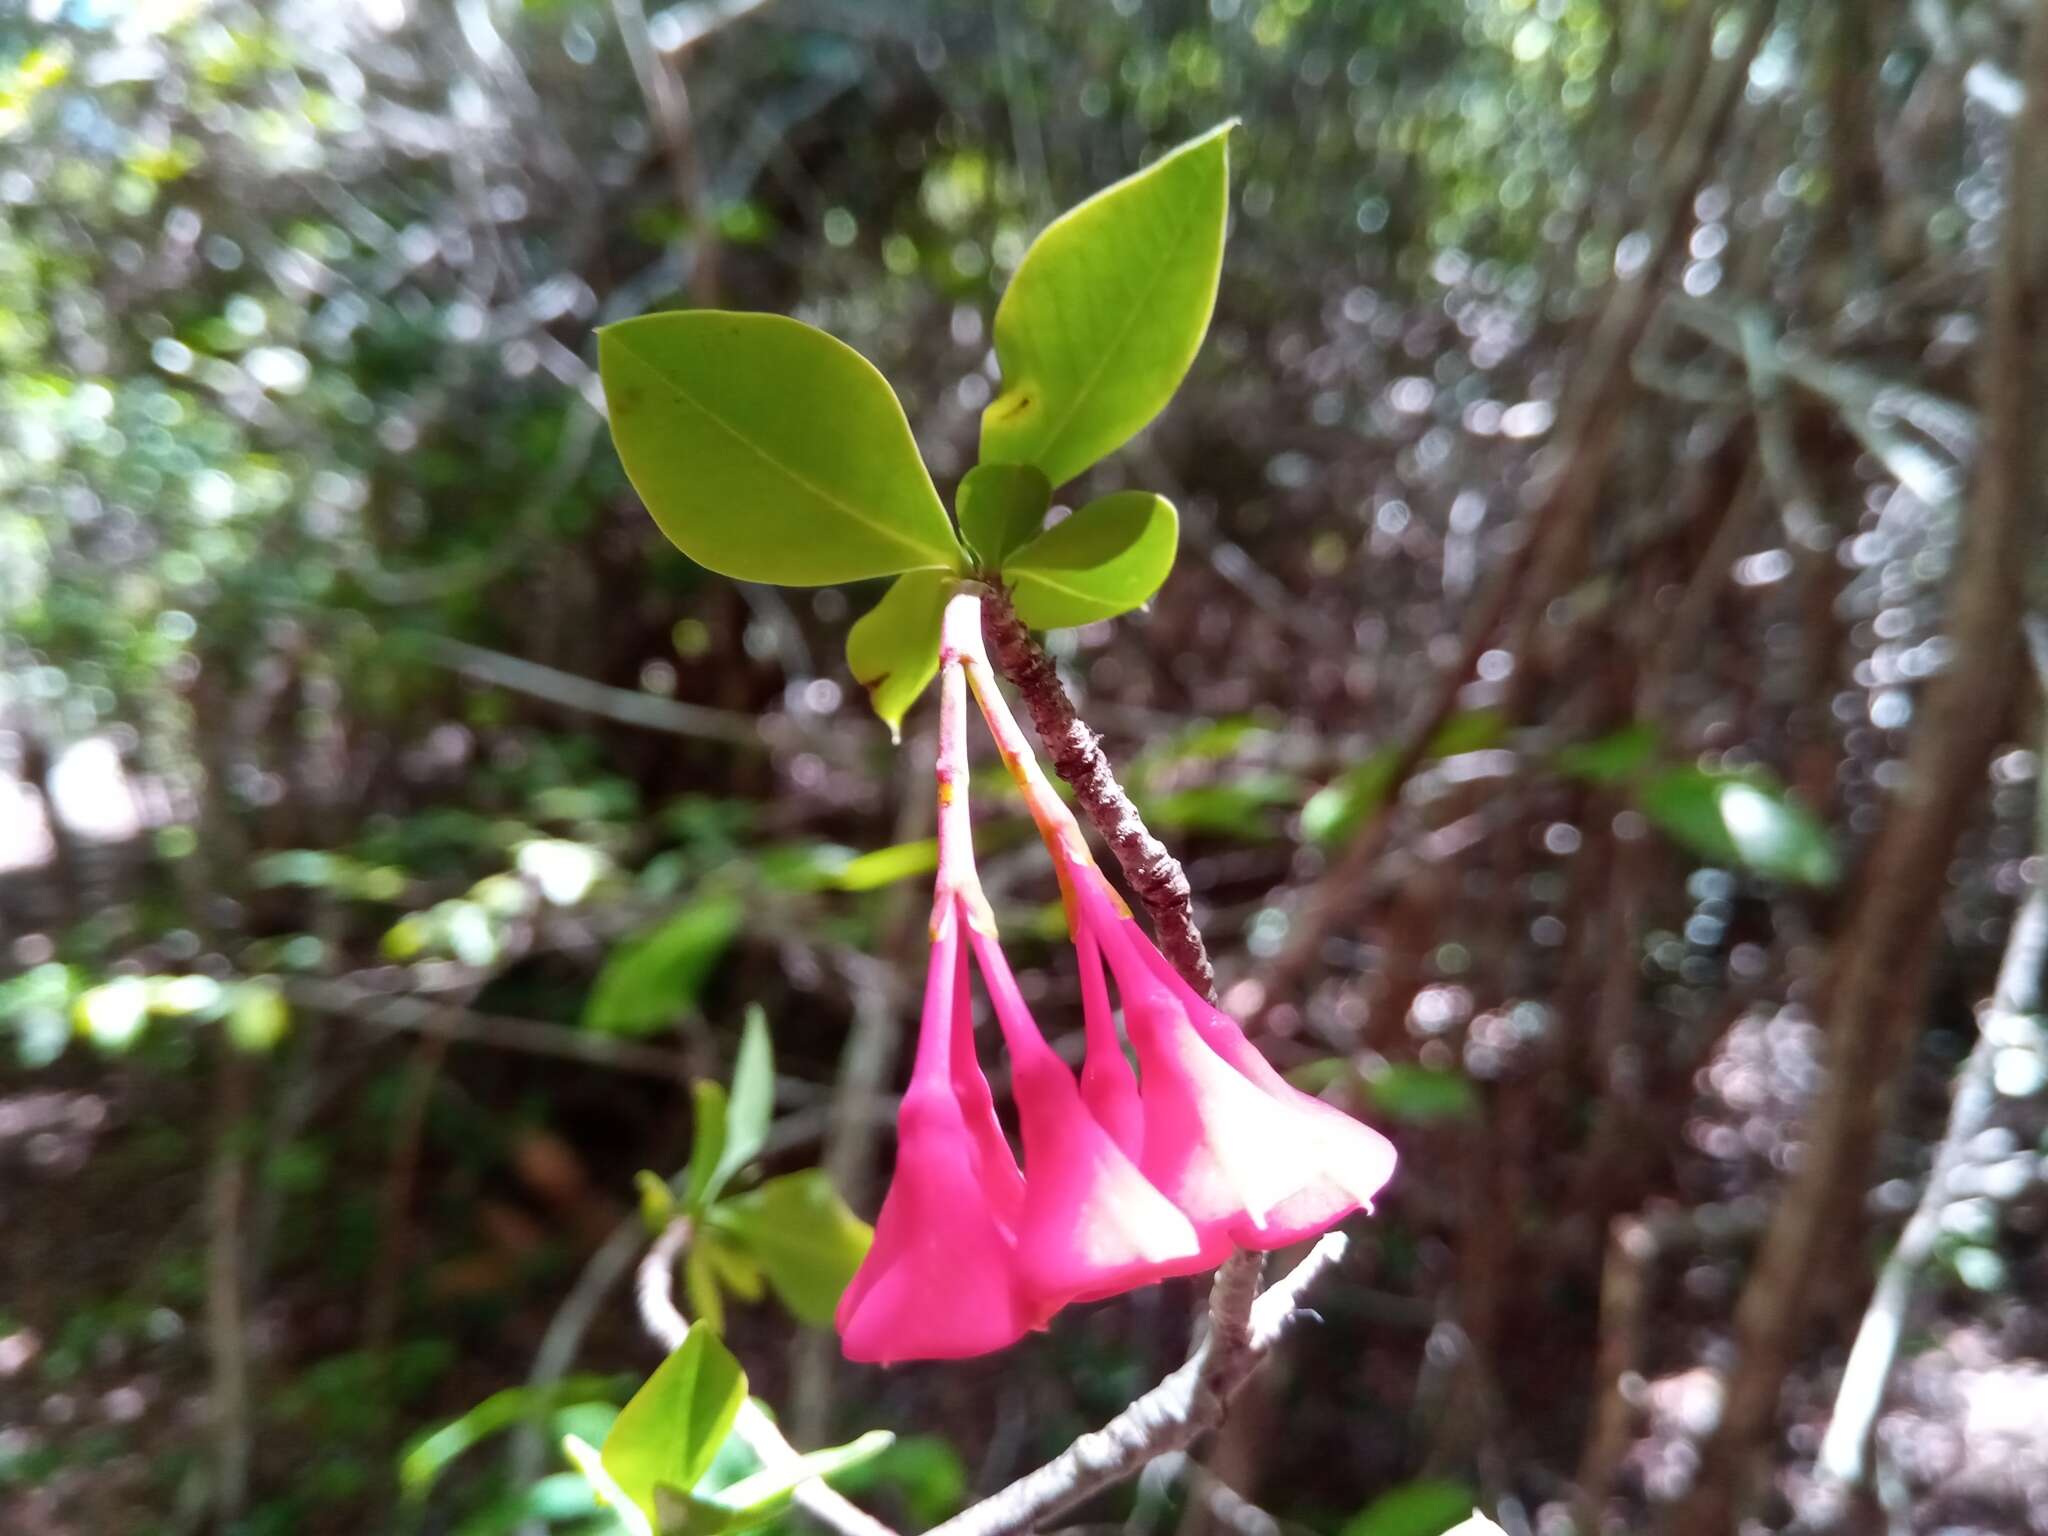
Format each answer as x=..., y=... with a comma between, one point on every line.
x=1000, y=507
x=802, y=1235
x=428, y=1455
x=654, y=978
x=758, y=1498
x=1107, y=311
x=1333, y=812
x=707, y=1142
x=1426, y=1508
x=747, y=1112
x=893, y=649
x=1104, y=560
x=1240, y=807
x=588, y=1460
x=770, y=451
x=700, y=1284
x=1419, y=1095
x=1743, y=819
x=1611, y=759
x=885, y=866
x=667, y=1435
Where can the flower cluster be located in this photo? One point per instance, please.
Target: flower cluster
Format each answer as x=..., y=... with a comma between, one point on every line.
x=1128, y=1176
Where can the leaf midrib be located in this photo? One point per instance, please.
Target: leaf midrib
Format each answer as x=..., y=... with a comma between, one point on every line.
x=1107, y=353
x=683, y=395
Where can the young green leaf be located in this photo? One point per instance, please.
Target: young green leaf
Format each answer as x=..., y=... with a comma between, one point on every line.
x=1107, y=311
x=770, y=451
x=588, y=1460
x=893, y=649
x=756, y=1499
x=751, y=1105
x=1104, y=560
x=667, y=1435
x=707, y=1142
x=428, y=1455
x=802, y=1235
x=1001, y=506
x=652, y=979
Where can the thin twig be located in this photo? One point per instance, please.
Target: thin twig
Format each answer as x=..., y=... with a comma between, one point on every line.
x=627, y=707
x=1168, y=1418
x=439, y=1019
x=654, y=1291
x=2007, y=1022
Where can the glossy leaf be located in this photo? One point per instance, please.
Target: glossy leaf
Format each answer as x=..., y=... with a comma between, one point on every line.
x=770, y=451
x=1107, y=311
x=802, y=1235
x=1001, y=507
x=653, y=979
x=1742, y=820
x=893, y=649
x=1106, y=559
x=667, y=1435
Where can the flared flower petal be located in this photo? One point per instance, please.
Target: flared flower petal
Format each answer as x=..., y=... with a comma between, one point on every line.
x=1093, y=1225
x=941, y=1280
x=1248, y=1157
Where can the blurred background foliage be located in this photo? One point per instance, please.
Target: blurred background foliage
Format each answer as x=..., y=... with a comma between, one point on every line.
x=392, y=825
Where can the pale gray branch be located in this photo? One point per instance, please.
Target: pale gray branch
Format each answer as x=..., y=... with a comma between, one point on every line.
x=1168, y=1418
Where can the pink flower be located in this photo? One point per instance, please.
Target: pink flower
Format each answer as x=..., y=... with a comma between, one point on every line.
x=1250, y=1159
x=1127, y=1177
x=1092, y=1225
x=941, y=1280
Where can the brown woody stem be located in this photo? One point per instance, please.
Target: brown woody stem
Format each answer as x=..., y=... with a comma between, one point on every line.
x=1155, y=876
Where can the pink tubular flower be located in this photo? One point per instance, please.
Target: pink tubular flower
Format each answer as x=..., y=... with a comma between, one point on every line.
x=941, y=1280
x=1127, y=1177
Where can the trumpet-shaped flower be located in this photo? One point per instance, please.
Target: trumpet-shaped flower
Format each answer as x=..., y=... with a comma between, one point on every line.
x=940, y=1281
